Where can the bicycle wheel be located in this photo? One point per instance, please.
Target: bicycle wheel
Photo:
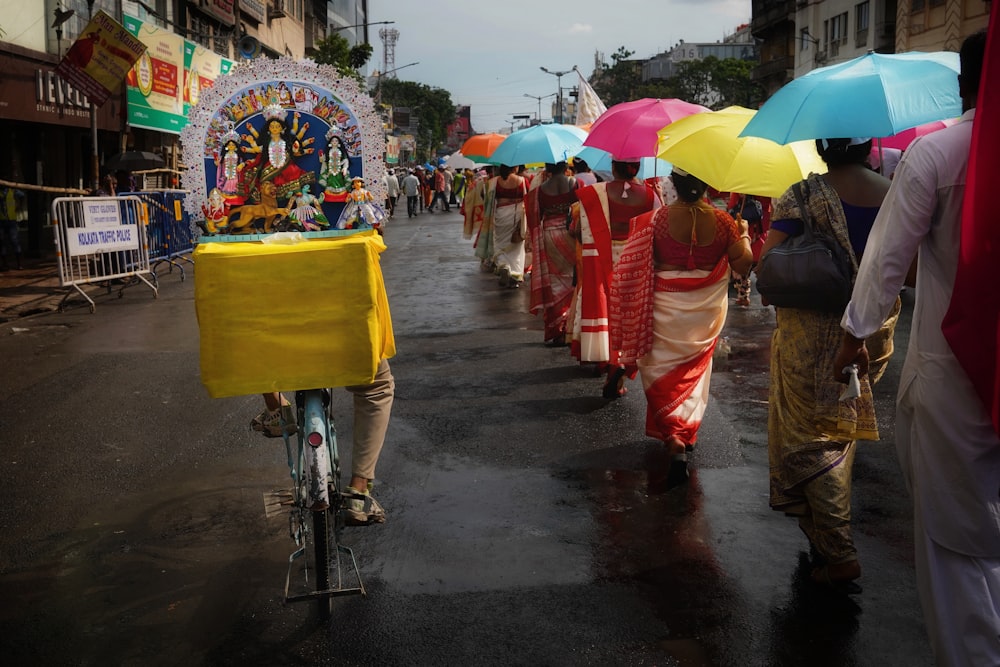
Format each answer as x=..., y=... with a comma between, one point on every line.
x=315, y=493
x=321, y=553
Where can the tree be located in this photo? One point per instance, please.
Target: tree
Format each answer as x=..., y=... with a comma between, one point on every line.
x=711, y=82
x=432, y=107
x=717, y=83
x=620, y=81
x=348, y=60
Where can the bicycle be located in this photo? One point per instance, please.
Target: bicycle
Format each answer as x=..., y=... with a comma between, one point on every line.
x=316, y=517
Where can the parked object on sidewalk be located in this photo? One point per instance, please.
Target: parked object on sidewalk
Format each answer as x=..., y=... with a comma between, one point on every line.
x=134, y=161
x=11, y=202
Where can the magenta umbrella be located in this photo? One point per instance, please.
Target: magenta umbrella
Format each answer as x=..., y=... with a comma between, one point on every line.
x=628, y=130
x=906, y=137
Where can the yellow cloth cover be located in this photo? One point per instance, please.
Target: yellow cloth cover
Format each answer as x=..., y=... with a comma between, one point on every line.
x=301, y=315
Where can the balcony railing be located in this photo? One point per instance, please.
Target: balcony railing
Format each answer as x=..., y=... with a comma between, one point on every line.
x=775, y=67
x=767, y=13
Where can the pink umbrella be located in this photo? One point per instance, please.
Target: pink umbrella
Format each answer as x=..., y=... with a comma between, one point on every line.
x=904, y=138
x=628, y=130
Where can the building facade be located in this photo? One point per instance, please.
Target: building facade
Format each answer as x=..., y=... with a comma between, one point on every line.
x=796, y=36
x=739, y=45
x=55, y=143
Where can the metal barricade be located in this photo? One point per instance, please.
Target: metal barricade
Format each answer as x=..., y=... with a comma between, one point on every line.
x=101, y=240
x=169, y=231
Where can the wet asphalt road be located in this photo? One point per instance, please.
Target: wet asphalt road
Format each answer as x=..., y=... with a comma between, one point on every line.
x=529, y=521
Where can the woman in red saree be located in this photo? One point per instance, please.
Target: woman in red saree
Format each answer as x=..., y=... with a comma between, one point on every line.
x=547, y=208
x=669, y=300
x=605, y=211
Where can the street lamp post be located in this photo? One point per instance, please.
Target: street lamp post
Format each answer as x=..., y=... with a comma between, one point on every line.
x=95, y=160
x=334, y=29
x=558, y=76
x=539, y=98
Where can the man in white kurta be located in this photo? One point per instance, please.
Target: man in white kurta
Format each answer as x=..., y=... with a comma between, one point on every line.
x=947, y=447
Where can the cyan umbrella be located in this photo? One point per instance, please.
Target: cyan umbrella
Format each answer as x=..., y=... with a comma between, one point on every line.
x=540, y=144
x=599, y=160
x=874, y=95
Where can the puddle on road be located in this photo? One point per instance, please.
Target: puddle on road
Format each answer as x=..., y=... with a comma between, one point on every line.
x=171, y=567
x=470, y=528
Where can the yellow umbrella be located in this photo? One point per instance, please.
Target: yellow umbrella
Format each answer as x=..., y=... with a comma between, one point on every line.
x=708, y=145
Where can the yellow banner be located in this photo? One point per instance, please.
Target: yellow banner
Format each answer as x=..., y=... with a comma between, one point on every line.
x=100, y=58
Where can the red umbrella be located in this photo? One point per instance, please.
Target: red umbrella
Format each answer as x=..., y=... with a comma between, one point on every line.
x=480, y=147
x=628, y=130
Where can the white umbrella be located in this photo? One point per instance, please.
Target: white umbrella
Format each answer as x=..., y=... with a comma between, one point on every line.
x=458, y=161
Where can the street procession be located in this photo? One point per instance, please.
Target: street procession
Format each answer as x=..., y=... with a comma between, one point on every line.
x=326, y=346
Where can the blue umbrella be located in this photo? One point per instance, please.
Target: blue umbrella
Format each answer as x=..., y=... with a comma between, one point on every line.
x=540, y=144
x=874, y=95
x=600, y=160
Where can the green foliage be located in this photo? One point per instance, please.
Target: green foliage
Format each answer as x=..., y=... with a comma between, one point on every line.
x=359, y=55
x=619, y=82
x=717, y=83
x=431, y=106
x=348, y=60
x=711, y=82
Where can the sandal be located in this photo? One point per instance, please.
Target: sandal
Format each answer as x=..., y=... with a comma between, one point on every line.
x=678, y=473
x=558, y=341
x=615, y=385
x=840, y=584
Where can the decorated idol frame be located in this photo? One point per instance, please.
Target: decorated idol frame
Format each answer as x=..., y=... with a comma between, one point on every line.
x=280, y=145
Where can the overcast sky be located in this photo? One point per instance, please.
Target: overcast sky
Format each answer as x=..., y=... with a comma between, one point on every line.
x=487, y=53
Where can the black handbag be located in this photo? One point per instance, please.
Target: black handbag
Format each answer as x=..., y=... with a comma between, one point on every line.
x=811, y=271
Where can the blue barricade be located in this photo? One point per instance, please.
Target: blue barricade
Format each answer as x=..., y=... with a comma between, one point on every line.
x=169, y=231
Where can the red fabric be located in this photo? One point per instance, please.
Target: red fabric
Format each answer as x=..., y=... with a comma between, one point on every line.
x=591, y=201
x=671, y=251
x=972, y=323
x=551, y=281
x=669, y=391
x=631, y=307
x=690, y=284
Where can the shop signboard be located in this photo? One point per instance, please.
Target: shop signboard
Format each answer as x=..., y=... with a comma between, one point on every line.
x=169, y=77
x=100, y=58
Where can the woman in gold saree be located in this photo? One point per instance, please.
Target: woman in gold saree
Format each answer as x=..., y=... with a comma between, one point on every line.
x=812, y=434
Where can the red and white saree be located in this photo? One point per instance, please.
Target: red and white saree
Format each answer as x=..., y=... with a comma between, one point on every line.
x=600, y=254
x=668, y=322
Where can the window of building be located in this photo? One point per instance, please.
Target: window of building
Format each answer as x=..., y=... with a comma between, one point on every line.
x=805, y=39
x=201, y=30
x=221, y=45
x=838, y=28
x=917, y=5
x=861, y=14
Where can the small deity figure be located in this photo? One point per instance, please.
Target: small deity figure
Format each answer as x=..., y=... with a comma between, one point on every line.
x=361, y=211
x=307, y=212
x=284, y=95
x=229, y=167
x=334, y=166
x=275, y=156
x=215, y=211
